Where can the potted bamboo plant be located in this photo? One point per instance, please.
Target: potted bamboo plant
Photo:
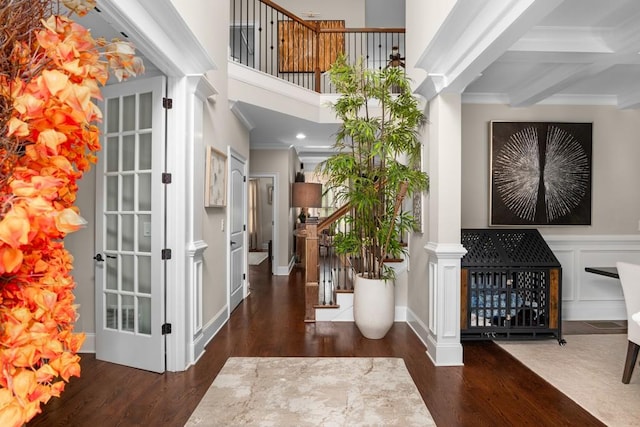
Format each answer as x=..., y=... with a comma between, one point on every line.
x=373, y=170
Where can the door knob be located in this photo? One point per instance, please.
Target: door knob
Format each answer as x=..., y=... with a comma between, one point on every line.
x=98, y=258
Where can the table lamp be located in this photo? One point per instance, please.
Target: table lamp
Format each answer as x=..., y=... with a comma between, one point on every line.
x=306, y=195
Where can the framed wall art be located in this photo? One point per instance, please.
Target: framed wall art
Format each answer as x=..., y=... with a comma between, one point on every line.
x=216, y=178
x=297, y=46
x=540, y=173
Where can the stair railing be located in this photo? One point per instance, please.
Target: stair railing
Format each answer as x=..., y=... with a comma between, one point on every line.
x=267, y=37
x=326, y=273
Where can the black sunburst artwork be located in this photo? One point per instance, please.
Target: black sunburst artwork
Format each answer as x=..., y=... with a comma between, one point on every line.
x=540, y=173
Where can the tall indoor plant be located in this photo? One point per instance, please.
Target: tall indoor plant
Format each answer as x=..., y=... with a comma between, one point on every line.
x=374, y=168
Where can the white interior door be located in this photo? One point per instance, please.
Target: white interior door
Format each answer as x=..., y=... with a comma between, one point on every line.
x=237, y=231
x=130, y=226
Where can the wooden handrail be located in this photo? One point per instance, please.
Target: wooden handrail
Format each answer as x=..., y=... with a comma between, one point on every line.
x=339, y=213
x=362, y=30
x=289, y=14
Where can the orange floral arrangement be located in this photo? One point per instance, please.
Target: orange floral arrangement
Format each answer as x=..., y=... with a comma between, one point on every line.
x=51, y=69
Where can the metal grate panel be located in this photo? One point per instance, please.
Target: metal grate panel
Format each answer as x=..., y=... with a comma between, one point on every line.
x=506, y=248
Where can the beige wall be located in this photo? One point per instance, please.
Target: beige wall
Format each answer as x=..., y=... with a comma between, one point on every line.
x=282, y=163
x=351, y=11
x=616, y=175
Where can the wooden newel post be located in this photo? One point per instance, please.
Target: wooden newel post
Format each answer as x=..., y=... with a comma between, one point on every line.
x=317, y=57
x=311, y=270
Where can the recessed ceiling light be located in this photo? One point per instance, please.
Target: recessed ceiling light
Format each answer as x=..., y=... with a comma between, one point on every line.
x=301, y=136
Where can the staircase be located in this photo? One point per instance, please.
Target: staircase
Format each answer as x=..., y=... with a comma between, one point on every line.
x=329, y=277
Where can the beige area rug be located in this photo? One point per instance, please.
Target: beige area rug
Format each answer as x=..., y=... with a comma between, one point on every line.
x=588, y=369
x=256, y=258
x=296, y=391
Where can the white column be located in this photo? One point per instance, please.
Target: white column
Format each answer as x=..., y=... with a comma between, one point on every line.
x=199, y=92
x=443, y=341
x=443, y=247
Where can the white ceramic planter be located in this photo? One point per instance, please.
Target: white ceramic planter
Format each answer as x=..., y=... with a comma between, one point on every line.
x=373, y=306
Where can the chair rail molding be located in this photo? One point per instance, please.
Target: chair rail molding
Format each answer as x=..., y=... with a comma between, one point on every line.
x=587, y=296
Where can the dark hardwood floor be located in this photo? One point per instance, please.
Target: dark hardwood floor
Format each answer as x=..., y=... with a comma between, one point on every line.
x=491, y=389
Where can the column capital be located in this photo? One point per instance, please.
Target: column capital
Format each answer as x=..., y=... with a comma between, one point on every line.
x=445, y=250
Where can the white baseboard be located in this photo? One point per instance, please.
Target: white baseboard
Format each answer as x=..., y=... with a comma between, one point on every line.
x=344, y=313
x=418, y=326
x=210, y=330
x=89, y=344
x=285, y=270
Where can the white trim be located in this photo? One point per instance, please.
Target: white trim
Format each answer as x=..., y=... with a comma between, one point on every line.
x=158, y=30
x=558, y=99
x=195, y=263
x=198, y=91
x=473, y=35
x=235, y=109
x=587, y=296
x=443, y=339
x=344, y=311
x=210, y=330
x=89, y=344
x=176, y=229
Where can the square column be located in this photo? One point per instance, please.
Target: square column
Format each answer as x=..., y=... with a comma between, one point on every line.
x=444, y=229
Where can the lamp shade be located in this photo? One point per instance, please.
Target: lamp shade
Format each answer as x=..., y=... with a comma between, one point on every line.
x=306, y=195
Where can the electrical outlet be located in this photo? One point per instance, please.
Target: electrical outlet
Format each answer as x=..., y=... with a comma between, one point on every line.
x=222, y=225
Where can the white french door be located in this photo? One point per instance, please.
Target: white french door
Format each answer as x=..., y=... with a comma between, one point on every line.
x=130, y=224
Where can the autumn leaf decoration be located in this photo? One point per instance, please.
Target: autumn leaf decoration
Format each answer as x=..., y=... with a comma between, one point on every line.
x=50, y=77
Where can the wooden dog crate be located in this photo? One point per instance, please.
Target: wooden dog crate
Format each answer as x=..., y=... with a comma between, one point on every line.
x=511, y=286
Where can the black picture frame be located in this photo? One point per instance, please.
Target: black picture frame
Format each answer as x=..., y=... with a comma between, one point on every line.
x=540, y=173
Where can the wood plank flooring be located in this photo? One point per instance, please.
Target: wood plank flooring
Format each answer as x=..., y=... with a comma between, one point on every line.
x=491, y=389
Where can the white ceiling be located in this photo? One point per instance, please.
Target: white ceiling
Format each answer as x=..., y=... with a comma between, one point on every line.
x=582, y=51
x=573, y=51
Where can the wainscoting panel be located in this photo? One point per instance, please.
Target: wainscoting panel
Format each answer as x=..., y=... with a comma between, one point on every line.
x=588, y=296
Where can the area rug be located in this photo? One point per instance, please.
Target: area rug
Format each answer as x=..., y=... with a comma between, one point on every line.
x=256, y=258
x=296, y=391
x=588, y=369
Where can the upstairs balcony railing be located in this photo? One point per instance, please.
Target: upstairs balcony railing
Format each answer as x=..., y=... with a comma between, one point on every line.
x=268, y=38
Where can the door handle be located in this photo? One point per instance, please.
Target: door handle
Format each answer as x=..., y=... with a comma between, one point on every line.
x=98, y=258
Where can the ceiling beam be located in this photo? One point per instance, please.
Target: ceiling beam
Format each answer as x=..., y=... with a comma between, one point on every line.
x=473, y=36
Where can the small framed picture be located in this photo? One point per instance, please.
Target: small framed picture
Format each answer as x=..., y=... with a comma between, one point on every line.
x=216, y=178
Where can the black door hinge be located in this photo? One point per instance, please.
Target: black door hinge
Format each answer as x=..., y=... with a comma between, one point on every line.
x=167, y=103
x=166, y=254
x=244, y=179
x=166, y=328
x=166, y=178
x=244, y=276
x=244, y=227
